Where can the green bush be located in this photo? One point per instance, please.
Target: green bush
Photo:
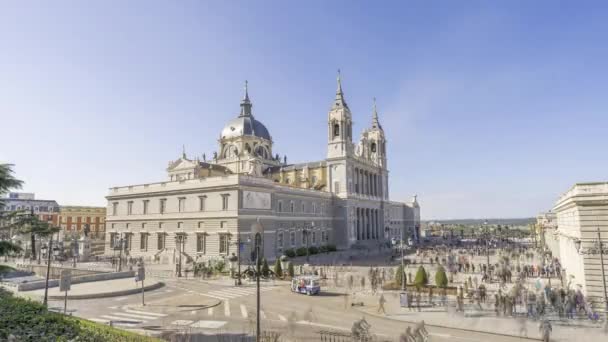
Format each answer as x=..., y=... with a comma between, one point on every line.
x=30, y=321
x=422, y=278
x=265, y=268
x=290, y=253
x=399, y=276
x=278, y=270
x=301, y=251
x=441, y=279
x=313, y=250
x=323, y=249
x=331, y=248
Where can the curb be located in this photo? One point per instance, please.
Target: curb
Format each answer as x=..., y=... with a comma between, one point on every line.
x=111, y=294
x=451, y=327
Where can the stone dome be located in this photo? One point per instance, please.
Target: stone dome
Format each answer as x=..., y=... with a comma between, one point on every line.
x=245, y=125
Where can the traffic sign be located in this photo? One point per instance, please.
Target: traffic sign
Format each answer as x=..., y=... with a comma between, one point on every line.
x=65, y=281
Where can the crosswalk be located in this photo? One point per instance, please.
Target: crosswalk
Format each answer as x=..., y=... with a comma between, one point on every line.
x=128, y=317
x=235, y=292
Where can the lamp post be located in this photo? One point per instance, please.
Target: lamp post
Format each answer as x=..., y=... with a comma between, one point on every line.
x=238, y=242
x=305, y=232
x=48, y=268
x=75, y=248
x=232, y=260
x=284, y=263
x=181, y=240
x=258, y=230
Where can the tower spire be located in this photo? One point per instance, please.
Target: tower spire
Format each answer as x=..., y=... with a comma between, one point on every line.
x=246, y=103
x=339, y=102
x=183, y=151
x=375, y=121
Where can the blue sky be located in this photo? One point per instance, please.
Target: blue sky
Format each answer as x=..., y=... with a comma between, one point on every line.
x=491, y=109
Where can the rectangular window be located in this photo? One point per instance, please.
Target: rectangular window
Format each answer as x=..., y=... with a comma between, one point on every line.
x=115, y=208
x=303, y=239
x=128, y=225
x=224, y=244
x=292, y=206
x=292, y=239
x=130, y=208
x=314, y=208
x=160, y=225
x=143, y=241
x=225, y=201
x=314, y=237
x=201, y=203
x=323, y=236
x=113, y=225
x=201, y=225
x=182, y=204
x=280, y=204
x=180, y=225
x=303, y=207
x=280, y=241
x=143, y=226
x=146, y=202
x=163, y=205
x=113, y=239
x=160, y=241
x=201, y=242
x=128, y=240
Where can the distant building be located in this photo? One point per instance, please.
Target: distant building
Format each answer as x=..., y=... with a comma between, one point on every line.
x=546, y=231
x=580, y=212
x=47, y=210
x=75, y=218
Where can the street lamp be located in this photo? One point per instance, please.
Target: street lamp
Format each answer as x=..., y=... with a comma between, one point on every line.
x=232, y=260
x=181, y=240
x=258, y=230
x=284, y=263
x=48, y=267
x=238, y=257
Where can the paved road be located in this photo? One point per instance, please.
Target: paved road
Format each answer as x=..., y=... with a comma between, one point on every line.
x=209, y=308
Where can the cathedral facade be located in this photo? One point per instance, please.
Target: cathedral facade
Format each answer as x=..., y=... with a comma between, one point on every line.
x=207, y=206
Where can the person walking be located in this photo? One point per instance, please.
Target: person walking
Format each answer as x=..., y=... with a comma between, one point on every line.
x=381, y=302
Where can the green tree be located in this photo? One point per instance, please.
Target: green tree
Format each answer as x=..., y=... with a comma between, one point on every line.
x=421, y=278
x=441, y=279
x=265, y=268
x=278, y=271
x=7, y=182
x=290, y=270
x=399, y=276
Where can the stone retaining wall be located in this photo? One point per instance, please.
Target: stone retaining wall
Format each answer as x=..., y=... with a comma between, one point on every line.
x=36, y=285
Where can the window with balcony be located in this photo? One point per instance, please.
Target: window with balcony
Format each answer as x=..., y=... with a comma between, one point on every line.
x=201, y=243
x=224, y=247
x=161, y=241
x=143, y=241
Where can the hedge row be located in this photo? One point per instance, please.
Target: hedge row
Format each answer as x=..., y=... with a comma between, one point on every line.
x=27, y=320
x=311, y=250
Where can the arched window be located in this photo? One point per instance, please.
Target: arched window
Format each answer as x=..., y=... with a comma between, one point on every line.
x=373, y=147
x=336, y=130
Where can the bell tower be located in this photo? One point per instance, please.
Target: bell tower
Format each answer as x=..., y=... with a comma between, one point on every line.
x=339, y=126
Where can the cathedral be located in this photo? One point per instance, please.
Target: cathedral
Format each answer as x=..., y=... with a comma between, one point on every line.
x=206, y=207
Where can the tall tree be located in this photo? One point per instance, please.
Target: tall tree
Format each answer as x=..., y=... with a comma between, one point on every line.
x=7, y=182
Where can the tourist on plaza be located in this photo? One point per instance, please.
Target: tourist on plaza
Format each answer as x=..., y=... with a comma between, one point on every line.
x=381, y=302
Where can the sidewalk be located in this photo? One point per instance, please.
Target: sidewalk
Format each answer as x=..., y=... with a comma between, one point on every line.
x=100, y=289
x=482, y=321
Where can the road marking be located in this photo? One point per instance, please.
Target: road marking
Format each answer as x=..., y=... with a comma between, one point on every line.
x=243, y=311
x=128, y=315
x=113, y=307
x=282, y=318
x=321, y=325
x=145, y=313
x=210, y=311
x=115, y=318
x=212, y=296
x=262, y=314
x=209, y=324
x=226, y=308
x=181, y=322
x=121, y=298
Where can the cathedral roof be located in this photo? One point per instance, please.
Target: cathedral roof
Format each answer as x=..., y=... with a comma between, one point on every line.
x=245, y=123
